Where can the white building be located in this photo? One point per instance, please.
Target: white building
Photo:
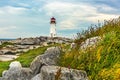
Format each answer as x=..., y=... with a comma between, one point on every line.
x=53, y=27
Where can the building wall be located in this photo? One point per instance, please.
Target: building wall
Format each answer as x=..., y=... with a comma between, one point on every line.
x=53, y=30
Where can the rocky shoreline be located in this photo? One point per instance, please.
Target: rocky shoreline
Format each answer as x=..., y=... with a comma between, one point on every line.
x=43, y=67
x=10, y=52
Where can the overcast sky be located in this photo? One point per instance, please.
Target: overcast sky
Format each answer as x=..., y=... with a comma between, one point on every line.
x=30, y=18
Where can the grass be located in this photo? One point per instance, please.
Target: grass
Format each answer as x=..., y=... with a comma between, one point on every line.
x=25, y=59
x=4, y=66
x=101, y=62
x=5, y=44
x=96, y=30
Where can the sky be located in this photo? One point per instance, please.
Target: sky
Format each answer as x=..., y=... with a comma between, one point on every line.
x=31, y=18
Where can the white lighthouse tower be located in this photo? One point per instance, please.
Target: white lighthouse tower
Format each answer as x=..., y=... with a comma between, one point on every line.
x=53, y=27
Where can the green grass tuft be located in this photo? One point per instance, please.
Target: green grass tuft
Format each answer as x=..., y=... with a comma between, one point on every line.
x=101, y=62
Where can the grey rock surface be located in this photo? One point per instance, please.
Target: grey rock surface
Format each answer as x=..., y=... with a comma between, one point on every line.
x=1, y=53
x=61, y=73
x=48, y=58
x=16, y=72
x=27, y=41
x=1, y=78
x=8, y=57
x=43, y=67
x=19, y=74
x=90, y=42
x=37, y=77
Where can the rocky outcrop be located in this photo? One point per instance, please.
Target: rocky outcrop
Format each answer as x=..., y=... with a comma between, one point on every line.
x=48, y=58
x=5, y=51
x=90, y=42
x=16, y=72
x=43, y=68
x=16, y=49
x=1, y=78
x=19, y=74
x=40, y=40
x=8, y=57
x=30, y=41
x=23, y=45
x=1, y=53
x=60, y=73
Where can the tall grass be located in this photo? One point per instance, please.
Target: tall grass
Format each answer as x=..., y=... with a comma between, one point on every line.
x=96, y=30
x=101, y=62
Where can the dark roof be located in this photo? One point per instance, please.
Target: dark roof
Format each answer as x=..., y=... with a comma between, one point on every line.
x=52, y=18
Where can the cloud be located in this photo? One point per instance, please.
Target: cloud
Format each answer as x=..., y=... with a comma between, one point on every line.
x=23, y=4
x=104, y=7
x=73, y=13
x=102, y=17
x=67, y=9
x=32, y=17
x=67, y=24
x=12, y=10
x=7, y=29
x=21, y=22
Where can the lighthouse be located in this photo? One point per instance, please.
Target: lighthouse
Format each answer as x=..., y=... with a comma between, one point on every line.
x=53, y=27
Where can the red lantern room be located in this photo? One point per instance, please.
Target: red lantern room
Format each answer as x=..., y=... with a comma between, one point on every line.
x=53, y=20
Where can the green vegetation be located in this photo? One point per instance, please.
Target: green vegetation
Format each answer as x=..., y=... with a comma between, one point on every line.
x=4, y=66
x=101, y=62
x=25, y=58
x=5, y=44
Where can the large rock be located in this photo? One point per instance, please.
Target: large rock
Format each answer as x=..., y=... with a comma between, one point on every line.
x=1, y=53
x=60, y=73
x=20, y=74
x=43, y=68
x=15, y=65
x=1, y=78
x=7, y=57
x=16, y=72
x=40, y=40
x=90, y=42
x=48, y=58
x=27, y=41
x=44, y=44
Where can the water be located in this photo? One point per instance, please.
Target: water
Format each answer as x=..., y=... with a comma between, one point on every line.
x=5, y=39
